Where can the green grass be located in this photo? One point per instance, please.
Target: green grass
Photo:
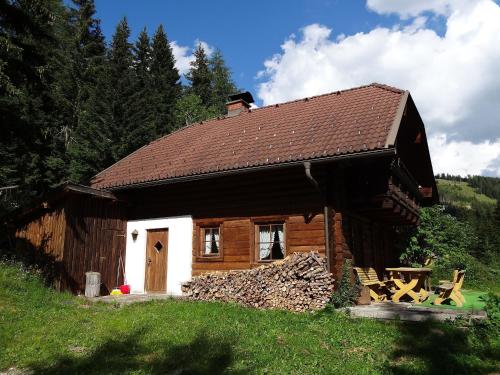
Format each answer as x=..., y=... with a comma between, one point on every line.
x=54, y=333
x=474, y=301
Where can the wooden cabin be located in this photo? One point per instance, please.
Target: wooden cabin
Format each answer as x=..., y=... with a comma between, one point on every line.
x=336, y=173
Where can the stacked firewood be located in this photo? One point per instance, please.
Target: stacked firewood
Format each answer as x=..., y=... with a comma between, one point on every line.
x=300, y=282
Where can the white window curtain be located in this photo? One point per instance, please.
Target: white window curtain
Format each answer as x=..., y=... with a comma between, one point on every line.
x=215, y=238
x=264, y=239
x=208, y=241
x=279, y=229
x=211, y=236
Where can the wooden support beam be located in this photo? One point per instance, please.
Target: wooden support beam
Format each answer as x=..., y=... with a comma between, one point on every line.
x=426, y=191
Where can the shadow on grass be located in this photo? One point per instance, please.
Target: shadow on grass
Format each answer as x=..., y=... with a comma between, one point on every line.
x=436, y=348
x=203, y=355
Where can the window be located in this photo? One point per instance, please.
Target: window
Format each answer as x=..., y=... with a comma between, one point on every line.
x=270, y=242
x=211, y=241
x=158, y=246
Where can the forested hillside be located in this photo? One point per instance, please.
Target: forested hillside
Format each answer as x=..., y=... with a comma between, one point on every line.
x=476, y=201
x=72, y=103
x=489, y=186
x=462, y=232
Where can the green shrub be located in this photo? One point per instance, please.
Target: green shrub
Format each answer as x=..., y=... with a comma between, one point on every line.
x=346, y=292
x=448, y=242
x=492, y=308
x=439, y=235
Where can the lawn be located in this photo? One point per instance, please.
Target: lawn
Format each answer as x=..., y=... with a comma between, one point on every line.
x=474, y=301
x=51, y=333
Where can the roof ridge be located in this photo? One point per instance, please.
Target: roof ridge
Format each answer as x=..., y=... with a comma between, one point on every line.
x=373, y=84
x=388, y=87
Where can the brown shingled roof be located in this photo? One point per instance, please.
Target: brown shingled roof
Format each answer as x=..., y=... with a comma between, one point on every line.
x=343, y=122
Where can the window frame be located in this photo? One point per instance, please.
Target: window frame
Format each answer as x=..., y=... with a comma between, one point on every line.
x=256, y=227
x=200, y=242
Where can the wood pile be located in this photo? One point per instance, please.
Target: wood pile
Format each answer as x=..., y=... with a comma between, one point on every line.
x=300, y=282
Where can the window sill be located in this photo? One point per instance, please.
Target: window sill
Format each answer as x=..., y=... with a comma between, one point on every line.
x=268, y=261
x=210, y=258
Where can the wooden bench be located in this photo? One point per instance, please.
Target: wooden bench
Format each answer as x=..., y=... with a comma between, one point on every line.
x=369, y=277
x=451, y=289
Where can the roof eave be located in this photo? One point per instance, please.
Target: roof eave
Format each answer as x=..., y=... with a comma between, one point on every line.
x=388, y=151
x=54, y=195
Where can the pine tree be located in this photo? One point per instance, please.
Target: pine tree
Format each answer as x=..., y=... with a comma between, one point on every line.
x=121, y=82
x=105, y=115
x=28, y=40
x=497, y=214
x=222, y=84
x=86, y=66
x=141, y=122
x=89, y=51
x=142, y=56
x=200, y=76
x=91, y=147
x=165, y=83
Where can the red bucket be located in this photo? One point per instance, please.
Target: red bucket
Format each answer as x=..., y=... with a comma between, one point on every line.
x=125, y=289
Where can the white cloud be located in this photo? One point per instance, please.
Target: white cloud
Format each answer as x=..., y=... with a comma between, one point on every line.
x=183, y=57
x=463, y=157
x=453, y=77
x=412, y=8
x=184, y=54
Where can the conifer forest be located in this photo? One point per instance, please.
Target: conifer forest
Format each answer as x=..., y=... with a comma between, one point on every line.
x=73, y=103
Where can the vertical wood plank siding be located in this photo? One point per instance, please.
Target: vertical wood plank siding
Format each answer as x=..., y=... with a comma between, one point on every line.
x=41, y=237
x=44, y=234
x=95, y=241
x=81, y=234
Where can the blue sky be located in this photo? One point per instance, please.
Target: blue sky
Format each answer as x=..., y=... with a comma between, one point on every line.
x=246, y=32
x=445, y=52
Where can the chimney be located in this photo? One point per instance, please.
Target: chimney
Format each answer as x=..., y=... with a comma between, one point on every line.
x=238, y=103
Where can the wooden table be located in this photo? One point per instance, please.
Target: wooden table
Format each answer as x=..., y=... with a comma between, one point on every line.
x=409, y=281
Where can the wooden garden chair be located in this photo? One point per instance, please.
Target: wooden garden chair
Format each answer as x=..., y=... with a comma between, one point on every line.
x=369, y=277
x=451, y=289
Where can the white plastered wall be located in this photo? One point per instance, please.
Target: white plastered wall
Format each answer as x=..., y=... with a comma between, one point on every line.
x=180, y=245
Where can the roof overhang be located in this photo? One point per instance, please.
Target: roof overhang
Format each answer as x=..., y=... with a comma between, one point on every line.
x=396, y=123
x=331, y=159
x=55, y=195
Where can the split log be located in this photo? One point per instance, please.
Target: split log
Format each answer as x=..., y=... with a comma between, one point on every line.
x=300, y=282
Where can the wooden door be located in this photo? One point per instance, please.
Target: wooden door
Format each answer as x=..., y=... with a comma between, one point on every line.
x=156, y=260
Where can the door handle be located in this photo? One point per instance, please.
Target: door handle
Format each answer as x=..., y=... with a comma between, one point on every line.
x=149, y=260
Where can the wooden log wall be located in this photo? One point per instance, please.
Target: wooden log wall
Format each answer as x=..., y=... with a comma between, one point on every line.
x=255, y=194
x=237, y=245
x=366, y=243
x=95, y=241
x=237, y=203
